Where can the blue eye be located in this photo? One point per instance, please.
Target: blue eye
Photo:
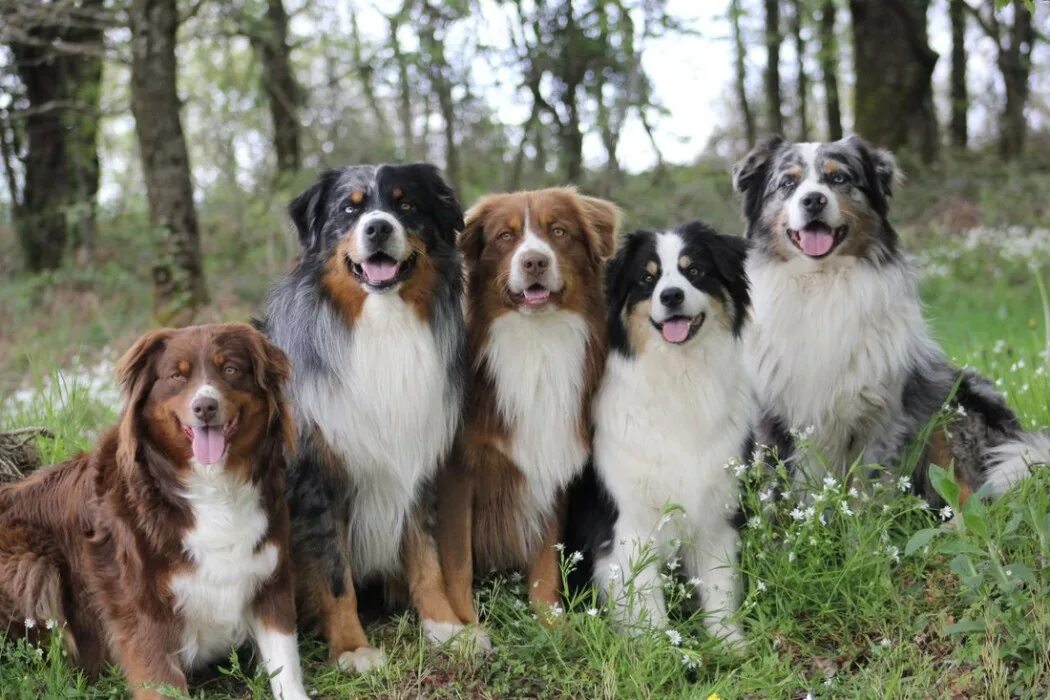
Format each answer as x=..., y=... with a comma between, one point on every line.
x=838, y=178
x=787, y=182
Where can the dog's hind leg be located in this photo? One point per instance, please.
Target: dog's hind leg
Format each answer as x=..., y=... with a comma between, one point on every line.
x=31, y=583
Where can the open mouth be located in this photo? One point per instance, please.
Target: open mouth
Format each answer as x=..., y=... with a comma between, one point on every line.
x=679, y=329
x=209, y=441
x=817, y=239
x=535, y=296
x=381, y=271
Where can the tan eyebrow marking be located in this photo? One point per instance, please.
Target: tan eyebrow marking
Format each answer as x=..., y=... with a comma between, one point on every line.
x=651, y=267
x=357, y=196
x=685, y=261
x=831, y=166
x=398, y=193
x=183, y=367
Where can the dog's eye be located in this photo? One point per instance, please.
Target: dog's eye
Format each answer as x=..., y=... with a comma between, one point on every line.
x=177, y=377
x=648, y=280
x=230, y=371
x=787, y=182
x=557, y=232
x=838, y=178
x=407, y=206
x=350, y=209
x=506, y=235
x=693, y=272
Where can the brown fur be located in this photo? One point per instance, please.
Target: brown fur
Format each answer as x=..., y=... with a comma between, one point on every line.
x=483, y=521
x=92, y=543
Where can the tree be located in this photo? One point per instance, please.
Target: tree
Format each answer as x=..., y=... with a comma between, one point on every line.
x=1013, y=43
x=740, y=70
x=802, y=83
x=829, y=58
x=774, y=116
x=960, y=99
x=178, y=275
x=269, y=36
x=893, y=95
x=436, y=19
x=57, y=52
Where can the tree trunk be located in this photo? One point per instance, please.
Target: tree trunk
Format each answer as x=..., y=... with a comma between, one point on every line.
x=438, y=69
x=405, y=92
x=774, y=118
x=893, y=95
x=740, y=71
x=1015, y=63
x=282, y=90
x=959, y=97
x=47, y=187
x=178, y=275
x=802, y=83
x=829, y=58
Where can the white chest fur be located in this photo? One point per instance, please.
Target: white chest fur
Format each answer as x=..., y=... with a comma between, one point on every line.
x=830, y=348
x=537, y=362
x=385, y=410
x=666, y=424
x=213, y=597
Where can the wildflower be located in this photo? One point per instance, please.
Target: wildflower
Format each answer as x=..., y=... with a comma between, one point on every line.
x=845, y=509
x=755, y=522
x=560, y=547
x=791, y=557
x=946, y=513
x=576, y=558
x=556, y=610
x=830, y=482
x=760, y=585
x=674, y=636
x=853, y=492
x=765, y=495
x=894, y=553
x=593, y=612
x=695, y=581
x=689, y=662
x=885, y=643
x=904, y=483
x=797, y=514
x=739, y=469
x=960, y=411
x=51, y=623
x=674, y=564
x=30, y=623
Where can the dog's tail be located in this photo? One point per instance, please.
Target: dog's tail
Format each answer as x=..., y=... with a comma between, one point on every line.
x=1013, y=460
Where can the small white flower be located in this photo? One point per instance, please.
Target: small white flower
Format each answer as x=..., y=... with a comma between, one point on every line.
x=739, y=469
x=51, y=623
x=765, y=495
x=755, y=522
x=959, y=410
x=946, y=513
x=845, y=509
x=674, y=564
x=904, y=483
x=760, y=585
x=689, y=662
x=791, y=557
x=674, y=636
x=830, y=482
x=797, y=514
x=694, y=581
x=556, y=610
x=560, y=547
x=30, y=623
x=593, y=612
x=576, y=558
x=885, y=642
x=894, y=553
x=853, y=492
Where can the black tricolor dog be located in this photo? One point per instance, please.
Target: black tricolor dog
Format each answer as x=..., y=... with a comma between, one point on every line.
x=674, y=409
x=839, y=347
x=371, y=317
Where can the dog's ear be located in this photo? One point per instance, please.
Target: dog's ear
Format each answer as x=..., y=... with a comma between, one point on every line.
x=617, y=269
x=750, y=174
x=136, y=374
x=880, y=170
x=603, y=223
x=309, y=211
x=730, y=258
x=447, y=209
x=271, y=368
x=472, y=239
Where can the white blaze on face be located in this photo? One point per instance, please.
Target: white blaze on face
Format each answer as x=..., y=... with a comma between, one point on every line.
x=814, y=240
x=675, y=322
x=209, y=441
x=520, y=281
x=395, y=247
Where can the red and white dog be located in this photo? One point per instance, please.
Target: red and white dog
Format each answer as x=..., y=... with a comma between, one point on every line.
x=167, y=545
x=536, y=347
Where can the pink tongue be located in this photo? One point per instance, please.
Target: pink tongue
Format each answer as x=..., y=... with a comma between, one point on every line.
x=537, y=295
x=676, y=330
x=380, y=271
x=208, y=444
x=815, y=242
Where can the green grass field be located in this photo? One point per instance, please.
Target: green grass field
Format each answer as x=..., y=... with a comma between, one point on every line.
x=868, y=596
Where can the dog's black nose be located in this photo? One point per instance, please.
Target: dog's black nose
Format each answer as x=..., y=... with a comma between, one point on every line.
x=205, y=408
x=378, y=231
x=814, y=202
x=672, y=297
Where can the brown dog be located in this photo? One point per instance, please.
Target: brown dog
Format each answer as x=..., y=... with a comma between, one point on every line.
x=167, y=546
x=536, y=346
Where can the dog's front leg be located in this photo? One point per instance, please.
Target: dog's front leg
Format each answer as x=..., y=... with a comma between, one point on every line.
x=544, y=573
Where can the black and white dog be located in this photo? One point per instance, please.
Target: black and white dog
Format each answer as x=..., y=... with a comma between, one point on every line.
x=371, y=317
x=839, y=347
x=674, y=410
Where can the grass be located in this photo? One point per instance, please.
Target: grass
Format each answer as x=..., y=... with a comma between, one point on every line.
x=869, y=595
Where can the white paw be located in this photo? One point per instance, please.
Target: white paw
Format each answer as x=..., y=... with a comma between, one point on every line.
x=469, y=637
x=361, y=660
